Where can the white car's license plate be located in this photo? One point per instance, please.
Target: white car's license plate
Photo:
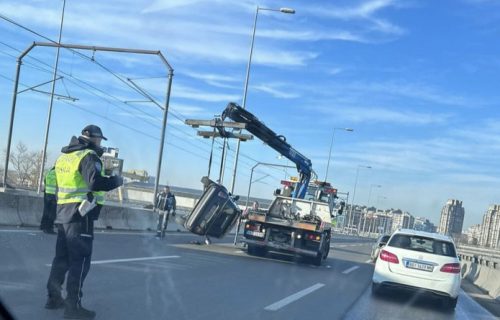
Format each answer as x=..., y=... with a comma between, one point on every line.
x=419, y=266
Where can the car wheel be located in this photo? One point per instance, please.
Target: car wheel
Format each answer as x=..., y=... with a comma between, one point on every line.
x=450, y=303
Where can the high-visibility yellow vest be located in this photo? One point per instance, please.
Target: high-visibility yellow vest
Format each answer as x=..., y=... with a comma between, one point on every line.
x=71, y=187
x=50, y=182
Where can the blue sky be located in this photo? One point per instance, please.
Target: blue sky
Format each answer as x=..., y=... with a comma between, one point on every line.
x=417, y=80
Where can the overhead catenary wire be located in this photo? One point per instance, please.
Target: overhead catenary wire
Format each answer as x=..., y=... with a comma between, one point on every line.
x=92, y=59
x=114, y=74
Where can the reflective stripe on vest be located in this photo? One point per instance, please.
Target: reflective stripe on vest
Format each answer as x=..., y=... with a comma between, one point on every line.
x=50, y=182
x=71, y=187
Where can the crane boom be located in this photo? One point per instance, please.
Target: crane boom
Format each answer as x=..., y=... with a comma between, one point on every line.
x=275, y=141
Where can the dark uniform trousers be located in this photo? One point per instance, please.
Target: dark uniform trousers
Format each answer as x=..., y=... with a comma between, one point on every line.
x=73, y=255
x=49, y=211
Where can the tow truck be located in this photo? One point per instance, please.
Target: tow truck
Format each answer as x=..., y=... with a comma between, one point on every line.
x=293, y=224
x=298, y=223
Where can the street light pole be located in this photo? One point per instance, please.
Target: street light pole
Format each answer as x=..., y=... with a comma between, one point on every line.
x=368, y=204
x=331, y=145
x=354, y=193
x=247, y=78
x=385, y=213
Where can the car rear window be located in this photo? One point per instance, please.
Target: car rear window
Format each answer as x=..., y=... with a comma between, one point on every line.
x=384, y=239
x=423, y=244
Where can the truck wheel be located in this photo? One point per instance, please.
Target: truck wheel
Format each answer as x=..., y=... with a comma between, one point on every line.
x=327, y=251
x=318, y=259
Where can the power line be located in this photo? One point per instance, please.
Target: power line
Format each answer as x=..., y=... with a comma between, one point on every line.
x=114, y=74
x=92, y=59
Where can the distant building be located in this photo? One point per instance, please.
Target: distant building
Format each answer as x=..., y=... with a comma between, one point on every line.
x=490, y=231
x=423, y=224
x=402, y=219
x=354, y=217
x=473, y=234
x=452, y=218
x=383, y=221
x=136, y=175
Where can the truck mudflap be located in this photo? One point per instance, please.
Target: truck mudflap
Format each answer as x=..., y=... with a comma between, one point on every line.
x=214, y=214
x=273, y=246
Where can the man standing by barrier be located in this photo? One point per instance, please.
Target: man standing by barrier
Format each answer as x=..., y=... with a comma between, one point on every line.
x=166, y=203
x=49, y=202
x=80, y=195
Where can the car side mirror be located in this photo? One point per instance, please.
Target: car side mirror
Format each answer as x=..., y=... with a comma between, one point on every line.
x=236, y=198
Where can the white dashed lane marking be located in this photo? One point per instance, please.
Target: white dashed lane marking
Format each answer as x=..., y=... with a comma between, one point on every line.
x=294, y=297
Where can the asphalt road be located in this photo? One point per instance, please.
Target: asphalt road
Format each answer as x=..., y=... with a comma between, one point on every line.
x=135, y=276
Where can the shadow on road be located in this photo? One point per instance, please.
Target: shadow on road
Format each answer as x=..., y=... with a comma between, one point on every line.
x=415, y=299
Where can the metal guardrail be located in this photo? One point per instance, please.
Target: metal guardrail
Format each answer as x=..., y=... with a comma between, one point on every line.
x=482, y=256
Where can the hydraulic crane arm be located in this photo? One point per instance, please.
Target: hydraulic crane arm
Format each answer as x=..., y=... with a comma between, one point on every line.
x=275, y=141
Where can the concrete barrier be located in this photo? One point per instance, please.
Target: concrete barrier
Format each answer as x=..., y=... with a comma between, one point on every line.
x=24, y=209
x=30, y=210
x=114, y=217
x=481, y=266
x=8, y=210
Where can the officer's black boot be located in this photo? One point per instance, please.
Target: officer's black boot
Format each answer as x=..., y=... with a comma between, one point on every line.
x=73, y=311
x=56, y=302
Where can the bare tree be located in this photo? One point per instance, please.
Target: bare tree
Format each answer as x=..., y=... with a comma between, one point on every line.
x=36, y=158
x=27, y=165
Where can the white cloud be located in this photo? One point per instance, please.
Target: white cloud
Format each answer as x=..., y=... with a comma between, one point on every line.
x=335, y=71
x=273, y=91
x=356, y=93
x=187, y=110
x=382, y=115
x=182, y=91
x=210, y=76
x=418, y=91
x=364, y=10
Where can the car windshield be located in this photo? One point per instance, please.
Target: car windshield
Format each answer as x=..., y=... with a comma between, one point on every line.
x=423, y=244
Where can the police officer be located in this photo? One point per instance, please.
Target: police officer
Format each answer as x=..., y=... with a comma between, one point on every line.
x=81, y=181
x=165, y=203
x=49, y=202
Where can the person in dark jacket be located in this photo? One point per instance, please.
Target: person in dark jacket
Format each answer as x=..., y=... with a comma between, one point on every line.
x=166, y=203
x=80, y=195
x=49, y=202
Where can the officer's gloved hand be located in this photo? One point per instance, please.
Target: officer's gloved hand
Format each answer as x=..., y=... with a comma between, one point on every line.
x=119, y=180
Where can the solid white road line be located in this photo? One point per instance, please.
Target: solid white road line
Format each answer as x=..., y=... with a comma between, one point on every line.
x=294, y=297
x=128, y=260
x=351, y=269
x=368, y=261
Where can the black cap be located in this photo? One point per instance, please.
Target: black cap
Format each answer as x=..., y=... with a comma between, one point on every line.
x=93, y=131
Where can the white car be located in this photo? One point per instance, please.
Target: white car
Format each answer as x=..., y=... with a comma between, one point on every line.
x=419, y=260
